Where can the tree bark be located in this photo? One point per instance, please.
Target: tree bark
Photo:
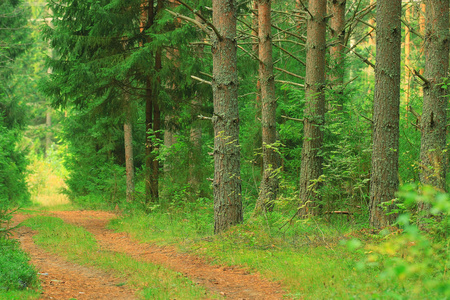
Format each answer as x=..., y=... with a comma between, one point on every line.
x=434, y=114
x=337, y=35
x=195, y=138
x=152, y=114
x=227, y=177
x=314, y=113
x=407, y=57
x=156, y=130
x=128, y=140
x=384, y=174
x=269, y=183
x=149, y=185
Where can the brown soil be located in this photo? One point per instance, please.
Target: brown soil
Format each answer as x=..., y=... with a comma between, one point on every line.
x=65, y=280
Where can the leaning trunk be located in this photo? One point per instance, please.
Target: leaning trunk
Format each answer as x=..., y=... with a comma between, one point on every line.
x=384, y=174
x=227, y=177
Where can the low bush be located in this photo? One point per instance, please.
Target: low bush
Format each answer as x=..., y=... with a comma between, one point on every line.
x=15, y=272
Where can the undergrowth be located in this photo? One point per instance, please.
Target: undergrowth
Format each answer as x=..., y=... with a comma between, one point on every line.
x=315, y=258
x=17, y=278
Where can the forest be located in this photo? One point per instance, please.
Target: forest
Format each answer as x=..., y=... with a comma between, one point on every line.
x=265, y=135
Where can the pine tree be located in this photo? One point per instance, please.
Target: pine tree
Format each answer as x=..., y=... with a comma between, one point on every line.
x=384, y=175
x=314, y=113
x=269, y=182
x=14, y=40
x=433, y=154
x=227, y=177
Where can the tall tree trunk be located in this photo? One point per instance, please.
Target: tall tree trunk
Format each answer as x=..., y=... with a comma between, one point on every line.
x=314, y=113
x=227, y=169
x=156, y=120
x=434, y=116
x=255, y=49
x=195, y=138
x=337, y=35
x=48, y=131
x=384, y=174
x=169, y=141
x=422, y=13
x=371, y=46
x=152, y=115
x=407, y=57
x=128, y=140
x=149, y=184
x=269, y=183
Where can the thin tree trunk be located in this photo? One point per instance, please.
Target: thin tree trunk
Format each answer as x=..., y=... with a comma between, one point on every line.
x=433, y=154
x=255, y=49
x=337, y=35
x=384, y=174
x=195, y=138
x=227, y=177
x=371, y=46
x=269, y=183
x=149, y=193
x=151, y=188
x=128, y=140
x=48, y=131
x=152, y=119
x=314, y=113
x=155, y=163
x=422, y=28
x=407, y=57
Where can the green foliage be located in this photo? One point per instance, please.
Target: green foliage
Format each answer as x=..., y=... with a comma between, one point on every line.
x=13, y=187
x=15, y=272
x=411, y=254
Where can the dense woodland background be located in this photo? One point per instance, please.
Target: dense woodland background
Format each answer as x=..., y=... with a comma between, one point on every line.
x=120, y=94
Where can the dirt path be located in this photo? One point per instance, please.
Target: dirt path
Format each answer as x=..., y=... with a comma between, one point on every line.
x=61, y=279
x=231, y=282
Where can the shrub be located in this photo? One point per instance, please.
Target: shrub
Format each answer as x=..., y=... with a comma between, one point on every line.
x=15, y=272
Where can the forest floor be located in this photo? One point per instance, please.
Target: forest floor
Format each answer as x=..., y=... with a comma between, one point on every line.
x=61, y=279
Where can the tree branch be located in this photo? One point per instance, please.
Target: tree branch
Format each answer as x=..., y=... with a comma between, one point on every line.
x=293, y=119
x=361, y=57
x=250, y=54
x=201, y=80
x=290, y=82
x=201, y=117
x=425, y=81
x=203, y=19
x=290, y=54
x=412, y=29
x=289, y=73
x=193, y=21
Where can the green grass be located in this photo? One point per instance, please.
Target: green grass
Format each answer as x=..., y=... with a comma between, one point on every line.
x=80, y=246
x=308, y=258
x=17, y=278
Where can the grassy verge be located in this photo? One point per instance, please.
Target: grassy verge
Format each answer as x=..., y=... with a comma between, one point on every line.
x=314, y=261
x=17, y=278
x=79, y=245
